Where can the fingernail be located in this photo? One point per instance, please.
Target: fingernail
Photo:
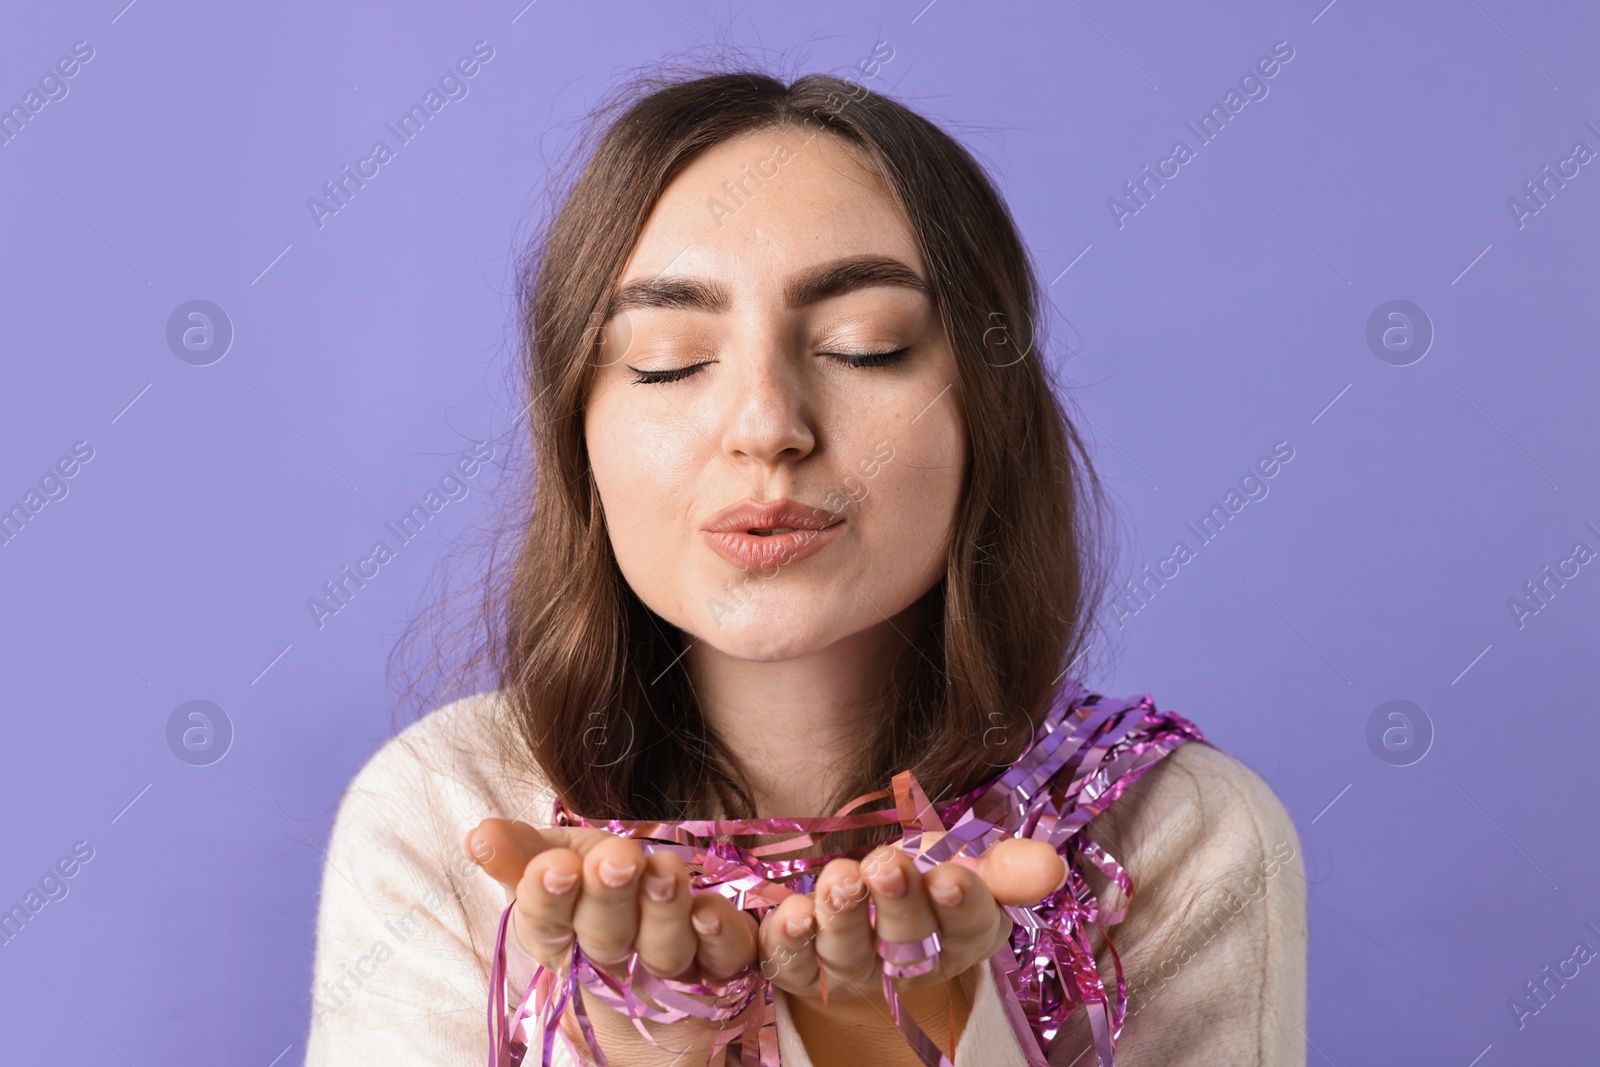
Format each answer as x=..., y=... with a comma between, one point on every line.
x=946, y=895
x=555, y=882
x=617, y=875
x=798, y=927
x=708, y=925
x=890, y=883
x=845, y=895
x=875, y=862
x=1066, y=870
x=659, y=887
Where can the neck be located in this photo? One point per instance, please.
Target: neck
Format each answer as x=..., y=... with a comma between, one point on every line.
x=794, y=726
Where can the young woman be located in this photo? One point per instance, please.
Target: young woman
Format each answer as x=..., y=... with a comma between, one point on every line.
x=808, y=514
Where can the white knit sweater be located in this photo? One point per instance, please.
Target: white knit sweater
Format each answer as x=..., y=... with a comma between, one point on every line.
x=407, y=922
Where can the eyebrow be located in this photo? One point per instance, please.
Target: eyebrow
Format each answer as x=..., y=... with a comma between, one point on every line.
x=831, y=279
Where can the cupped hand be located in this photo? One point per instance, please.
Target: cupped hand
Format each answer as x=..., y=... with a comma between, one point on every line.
x=959, y=899
x=603, y=890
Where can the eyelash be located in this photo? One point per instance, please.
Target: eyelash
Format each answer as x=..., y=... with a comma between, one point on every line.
x=870, y=359
x=656, y=377
x=860, y=360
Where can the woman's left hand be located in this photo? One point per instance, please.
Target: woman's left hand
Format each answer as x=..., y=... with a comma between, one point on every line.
x=959, y=899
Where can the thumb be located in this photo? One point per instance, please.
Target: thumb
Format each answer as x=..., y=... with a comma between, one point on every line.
x=503, y=848
x=1020, y=870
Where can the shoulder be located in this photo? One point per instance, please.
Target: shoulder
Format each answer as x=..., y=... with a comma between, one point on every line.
x=456, y=763
x=1199, y=830
x=1213, y=943
x=407, y=922
x=1203, y=810
x=398, y=839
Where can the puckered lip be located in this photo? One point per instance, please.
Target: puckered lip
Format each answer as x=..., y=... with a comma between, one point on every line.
x=750, y=515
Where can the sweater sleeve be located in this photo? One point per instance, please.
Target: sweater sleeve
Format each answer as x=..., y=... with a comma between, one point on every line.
x=406, y=924
x=1214, y=944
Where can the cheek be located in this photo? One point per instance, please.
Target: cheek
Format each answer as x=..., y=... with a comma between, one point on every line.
x=918, y=488
x=642, y=472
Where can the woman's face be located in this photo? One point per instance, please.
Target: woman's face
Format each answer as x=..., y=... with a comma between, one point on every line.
x=768, y=266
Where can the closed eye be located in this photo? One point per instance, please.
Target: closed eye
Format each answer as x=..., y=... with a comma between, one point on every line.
x=859, y=360
x=655, y=377
x=869, y=359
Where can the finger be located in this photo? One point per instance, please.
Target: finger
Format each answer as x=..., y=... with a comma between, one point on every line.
x=727, y=935
x=503, y=847
x=1020, y=870
x=844, y=930
x=666, y=942
x=901, y=903
x=788, y=944
x=971, y=924
x=546, y=895
x=607, y=916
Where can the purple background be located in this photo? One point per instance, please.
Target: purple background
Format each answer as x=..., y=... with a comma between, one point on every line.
x=1228, y=314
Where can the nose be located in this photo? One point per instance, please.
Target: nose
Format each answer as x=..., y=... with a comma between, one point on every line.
x=767, y=417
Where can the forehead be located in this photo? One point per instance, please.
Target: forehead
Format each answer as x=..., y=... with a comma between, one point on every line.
x=751, y=211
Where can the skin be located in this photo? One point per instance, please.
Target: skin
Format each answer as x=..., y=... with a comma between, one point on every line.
x=784, y=665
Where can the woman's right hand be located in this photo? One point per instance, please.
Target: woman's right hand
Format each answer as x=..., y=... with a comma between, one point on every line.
x=602, y=889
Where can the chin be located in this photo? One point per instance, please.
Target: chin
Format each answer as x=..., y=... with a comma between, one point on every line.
x=767, y=627
x=764, y=644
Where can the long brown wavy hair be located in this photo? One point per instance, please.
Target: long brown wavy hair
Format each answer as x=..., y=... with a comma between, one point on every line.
x=600, y=701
